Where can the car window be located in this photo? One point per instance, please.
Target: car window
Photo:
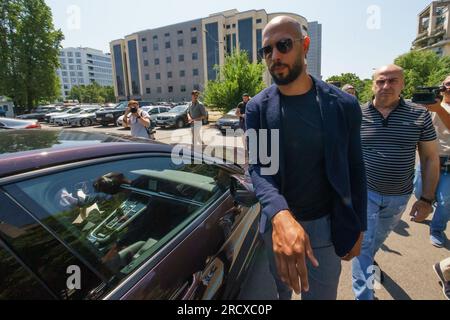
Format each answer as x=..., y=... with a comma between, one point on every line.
x=16, y=283
x=122, y=213
x=42, y=253
x=154, y=111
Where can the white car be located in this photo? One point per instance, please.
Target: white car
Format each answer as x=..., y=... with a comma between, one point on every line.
x=85, y=118
x=153, y=111
x=69, y=111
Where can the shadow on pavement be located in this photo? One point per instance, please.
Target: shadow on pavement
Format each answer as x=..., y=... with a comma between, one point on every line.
x=394, y=289
x=386, y=249
x=402, y=229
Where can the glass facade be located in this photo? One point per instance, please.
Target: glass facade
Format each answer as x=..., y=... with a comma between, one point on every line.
x=120, y=82
x=212, y=49
x=134, y=67
x=229, y=44
x=259, y=42
x=246, y=36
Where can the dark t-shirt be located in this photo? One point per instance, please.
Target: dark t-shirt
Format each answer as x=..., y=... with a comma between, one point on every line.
x=242, y=108
x=307, y=189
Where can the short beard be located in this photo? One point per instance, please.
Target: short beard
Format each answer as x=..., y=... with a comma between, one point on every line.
x=294, y=73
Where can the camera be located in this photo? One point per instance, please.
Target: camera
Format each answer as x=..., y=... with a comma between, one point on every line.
x=134, y=110
x=428, y=95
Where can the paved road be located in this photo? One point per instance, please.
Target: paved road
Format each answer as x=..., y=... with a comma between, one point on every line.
x=406, y=258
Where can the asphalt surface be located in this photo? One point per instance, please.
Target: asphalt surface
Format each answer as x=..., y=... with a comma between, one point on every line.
x=406, y=258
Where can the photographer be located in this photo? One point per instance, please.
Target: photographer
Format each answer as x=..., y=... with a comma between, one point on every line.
x=139, y=120
x=441, y=121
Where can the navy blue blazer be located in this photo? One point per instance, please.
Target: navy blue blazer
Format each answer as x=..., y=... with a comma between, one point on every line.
x=345, y=168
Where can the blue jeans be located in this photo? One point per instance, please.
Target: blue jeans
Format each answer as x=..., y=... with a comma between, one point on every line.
x=383, y=215
x=442, y=212
x=323, y=281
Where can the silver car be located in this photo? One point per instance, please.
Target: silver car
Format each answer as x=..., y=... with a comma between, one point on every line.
x=9, y=123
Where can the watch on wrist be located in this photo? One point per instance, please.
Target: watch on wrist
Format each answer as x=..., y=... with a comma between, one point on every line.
x=430, y=202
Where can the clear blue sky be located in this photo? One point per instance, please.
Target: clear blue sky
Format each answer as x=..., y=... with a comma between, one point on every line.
x=348, y=44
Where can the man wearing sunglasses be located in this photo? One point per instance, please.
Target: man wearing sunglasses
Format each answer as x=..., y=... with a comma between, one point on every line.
x=392, y=130
x=314, y=207
x=441, y=121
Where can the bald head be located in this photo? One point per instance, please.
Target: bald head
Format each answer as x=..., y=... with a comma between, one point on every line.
x=285, y=23
x=389, y=69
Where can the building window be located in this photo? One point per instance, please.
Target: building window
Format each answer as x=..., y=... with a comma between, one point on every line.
x=195, y=72
x=259, y=41
x=120, y=81
x=193, y=29
x=194, y=40
x=228, y=26
x=180, y=42
x=147, y=77
x=158, y=76
x=155, y=47
x=157, y=62
x=69, y=54
x=64, y=73
x=182, y=74
x=73, y=80
x=197, y=87
x=180, y=32
x=147, y=90
x=170, y=89
x=65, y=80
x=169, y=75
x=168, y=45
x=234, y=25
x=144, y=49
x=71, y=67
x=159, y=89
x=72, y=73
x=155, y=37
x=62, y=54
x=63, y=60
x=70, y=60
x=134, y=67
x=78, y=61
x=246, y=36
x=212, y=49
x=66, y=86
x=181, y=58
x=167, y=34
x=195, y=56
x=258, y=20
x=144, y=39
x=78, y=54
x=168, y=59
x=80, y=74
x=183, y=88
x=145, y=63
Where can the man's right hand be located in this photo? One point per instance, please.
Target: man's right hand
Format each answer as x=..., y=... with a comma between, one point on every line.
x=291, y=247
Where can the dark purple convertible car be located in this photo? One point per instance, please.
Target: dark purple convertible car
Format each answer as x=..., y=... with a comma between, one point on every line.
x=94, y=216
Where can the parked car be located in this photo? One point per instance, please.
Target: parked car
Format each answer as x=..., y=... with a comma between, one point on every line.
x=177, y=117
x=228, y=121
x=38, y=115
x=85, y=118
x=122, y=218
x=56, y=112
x=153, y=111
x=61, y=119
x=69, y=111
x=9, y=123
x=108, y=116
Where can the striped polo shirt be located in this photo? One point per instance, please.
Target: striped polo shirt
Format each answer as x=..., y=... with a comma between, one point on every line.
x=389, y=146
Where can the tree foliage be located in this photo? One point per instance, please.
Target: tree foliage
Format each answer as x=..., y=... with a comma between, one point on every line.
x=422, y=68
x=236, y=77
x=363, y=87
x=93, y=93
x=29, y=52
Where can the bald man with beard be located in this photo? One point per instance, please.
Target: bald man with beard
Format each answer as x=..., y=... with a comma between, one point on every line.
x=314, y=207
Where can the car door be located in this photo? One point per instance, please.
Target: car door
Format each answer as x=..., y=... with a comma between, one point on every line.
x=143, y=224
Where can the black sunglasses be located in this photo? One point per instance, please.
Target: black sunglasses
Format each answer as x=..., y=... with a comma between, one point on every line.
x=283, y=46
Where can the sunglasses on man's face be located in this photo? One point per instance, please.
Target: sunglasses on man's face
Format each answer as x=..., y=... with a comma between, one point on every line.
x=283, y=46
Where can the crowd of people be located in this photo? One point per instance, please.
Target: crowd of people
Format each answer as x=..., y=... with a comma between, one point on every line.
x=347, y=172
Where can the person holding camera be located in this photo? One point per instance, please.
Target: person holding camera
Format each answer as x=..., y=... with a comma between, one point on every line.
x=138, y=120
x=391, y=132
x=441, y=121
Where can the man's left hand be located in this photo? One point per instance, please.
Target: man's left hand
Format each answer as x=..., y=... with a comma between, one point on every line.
x=434, y=107
x=420, y=211
x=356, y=251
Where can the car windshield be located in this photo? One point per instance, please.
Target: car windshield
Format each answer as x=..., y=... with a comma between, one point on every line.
x=74, y=111
x=179, y=109
x=121, y=106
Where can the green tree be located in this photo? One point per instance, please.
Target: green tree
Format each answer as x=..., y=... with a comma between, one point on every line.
x=30, y=47
x=363, y=87
x=235, y=77
x=93, y=93
x=422, y=68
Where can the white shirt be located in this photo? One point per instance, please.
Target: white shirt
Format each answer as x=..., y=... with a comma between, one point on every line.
x=443, y=133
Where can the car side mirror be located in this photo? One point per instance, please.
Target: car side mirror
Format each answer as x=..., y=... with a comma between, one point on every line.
x=242, y=191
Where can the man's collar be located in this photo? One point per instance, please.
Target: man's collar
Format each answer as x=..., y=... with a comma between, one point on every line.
x=401, y=102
